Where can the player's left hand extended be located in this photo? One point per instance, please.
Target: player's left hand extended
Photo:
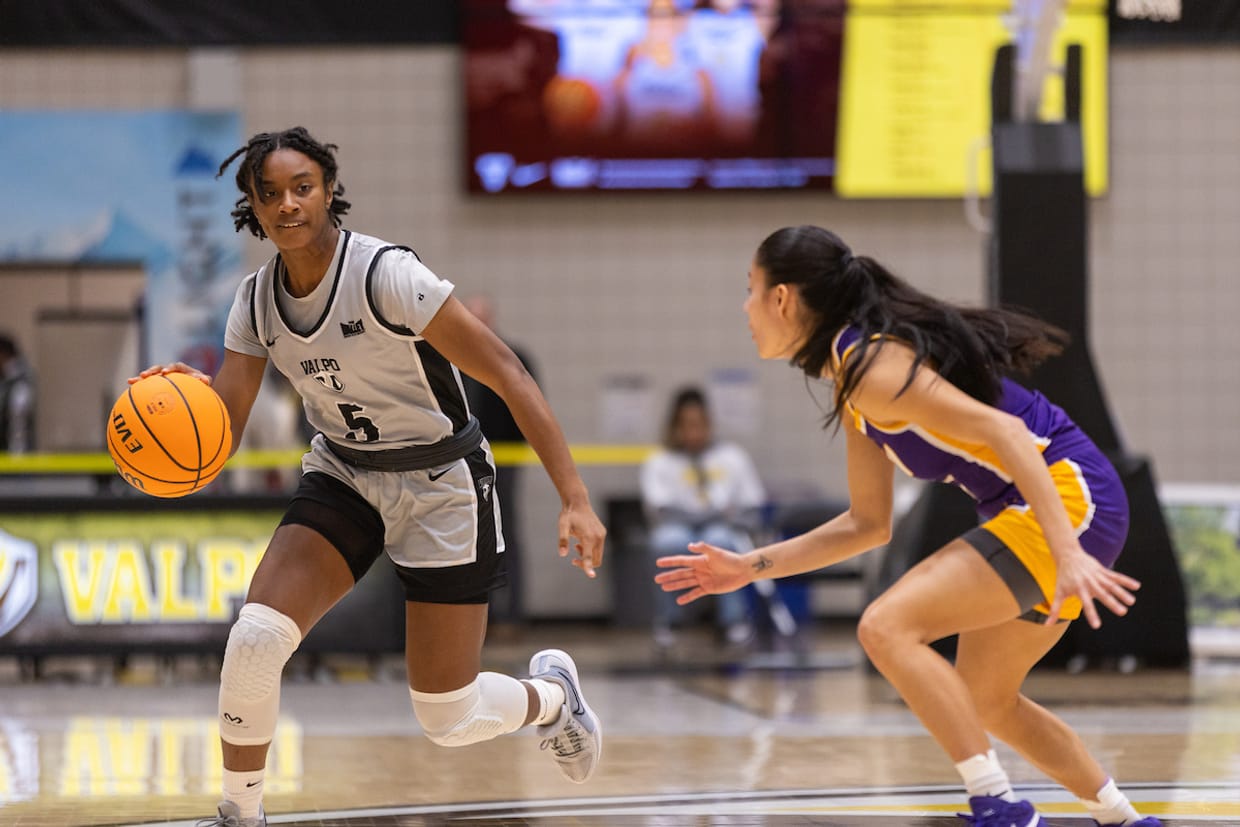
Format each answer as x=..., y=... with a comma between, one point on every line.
x=580, y=523
x=712, y=570
x=1082, y=576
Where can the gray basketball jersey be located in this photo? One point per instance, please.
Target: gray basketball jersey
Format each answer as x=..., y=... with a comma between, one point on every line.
x=366, y=376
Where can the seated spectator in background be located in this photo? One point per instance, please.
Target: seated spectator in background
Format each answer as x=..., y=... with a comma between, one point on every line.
x=17, y=399
x=697, y=488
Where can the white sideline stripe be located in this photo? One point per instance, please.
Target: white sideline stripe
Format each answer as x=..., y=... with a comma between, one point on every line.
x=852, y=801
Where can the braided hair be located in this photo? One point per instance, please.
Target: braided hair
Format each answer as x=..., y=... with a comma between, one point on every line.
x=250, y=172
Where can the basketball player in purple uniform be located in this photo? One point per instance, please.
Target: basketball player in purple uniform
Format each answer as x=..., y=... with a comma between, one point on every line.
x=371, y=340
x=923, y=385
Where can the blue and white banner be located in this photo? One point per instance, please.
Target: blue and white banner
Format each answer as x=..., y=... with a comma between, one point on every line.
x=107, y=186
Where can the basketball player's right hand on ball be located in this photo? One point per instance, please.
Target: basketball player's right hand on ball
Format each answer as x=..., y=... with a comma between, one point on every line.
x=712, y=570
x=174, y=367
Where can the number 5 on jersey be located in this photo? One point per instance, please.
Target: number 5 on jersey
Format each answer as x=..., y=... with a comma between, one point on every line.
x=364, y=424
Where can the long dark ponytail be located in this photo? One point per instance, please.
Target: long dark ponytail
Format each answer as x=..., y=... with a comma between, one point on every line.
x=971, y=347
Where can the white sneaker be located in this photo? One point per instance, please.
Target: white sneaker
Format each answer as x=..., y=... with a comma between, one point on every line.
x=575, y=738
x=228, y=814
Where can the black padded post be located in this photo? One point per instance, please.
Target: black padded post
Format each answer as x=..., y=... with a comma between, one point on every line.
x=1039, y=252
x=1039, y=261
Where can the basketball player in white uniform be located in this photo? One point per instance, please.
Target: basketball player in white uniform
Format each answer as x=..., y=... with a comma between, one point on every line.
x=667, y=103
x=728, y=38
x=594, y=37
x=371, y=339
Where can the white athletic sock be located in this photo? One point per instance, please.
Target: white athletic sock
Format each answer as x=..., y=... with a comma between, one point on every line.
x=1111, y=807
x=245, y=789
x=983, y=776
x=550, y=699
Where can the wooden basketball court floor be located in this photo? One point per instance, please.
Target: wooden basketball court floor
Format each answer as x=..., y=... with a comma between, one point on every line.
x=797, y=734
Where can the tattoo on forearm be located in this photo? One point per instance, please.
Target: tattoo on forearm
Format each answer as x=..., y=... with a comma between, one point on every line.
x=763, y=563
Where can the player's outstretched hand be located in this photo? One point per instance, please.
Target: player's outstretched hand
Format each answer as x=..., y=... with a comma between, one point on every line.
x=712, y=570
x=580, y=523
x=175, y=367
x=1082, y=576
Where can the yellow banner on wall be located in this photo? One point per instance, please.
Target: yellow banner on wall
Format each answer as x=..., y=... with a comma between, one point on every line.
x=915, y=97
x=112, y=580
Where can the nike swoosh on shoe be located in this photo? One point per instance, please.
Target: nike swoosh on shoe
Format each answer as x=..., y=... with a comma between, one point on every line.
x=578, y=705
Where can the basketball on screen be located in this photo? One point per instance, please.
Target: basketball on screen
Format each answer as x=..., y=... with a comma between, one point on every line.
x=572, y=105
x=169, y=435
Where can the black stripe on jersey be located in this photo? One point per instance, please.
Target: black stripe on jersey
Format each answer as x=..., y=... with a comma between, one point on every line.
x=399, y=329
x=253, y=310
x=444, y=384
x=331, y=299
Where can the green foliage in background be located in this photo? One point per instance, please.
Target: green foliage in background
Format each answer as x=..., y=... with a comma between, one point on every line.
x=1208, y=546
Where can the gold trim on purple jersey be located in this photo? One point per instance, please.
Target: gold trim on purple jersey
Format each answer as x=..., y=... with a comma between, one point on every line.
x=1087, y=482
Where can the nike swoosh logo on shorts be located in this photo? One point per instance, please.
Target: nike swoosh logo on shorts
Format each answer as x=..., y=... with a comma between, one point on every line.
x=430, y=475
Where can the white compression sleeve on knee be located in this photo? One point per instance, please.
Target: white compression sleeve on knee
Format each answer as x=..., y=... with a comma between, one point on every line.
x=491, y=705
x=260, y=643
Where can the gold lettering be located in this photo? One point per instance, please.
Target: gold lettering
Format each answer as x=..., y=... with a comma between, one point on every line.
x=129, y=589
x=127, y=746
x=173, y=737
x=82, y=767
x=284, y=762
x=169, y=557
x=106, y=756
x=225, y=575
x=81, y=567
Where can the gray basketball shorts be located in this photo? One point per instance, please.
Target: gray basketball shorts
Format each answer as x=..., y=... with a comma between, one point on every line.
x=441, y=526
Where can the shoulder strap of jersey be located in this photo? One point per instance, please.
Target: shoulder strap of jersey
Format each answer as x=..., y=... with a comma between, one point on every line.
x=259, y=305
x=399, y=329
x=843, y=344
x=253, y=279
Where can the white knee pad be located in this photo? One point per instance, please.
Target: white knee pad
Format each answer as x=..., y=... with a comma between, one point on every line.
x=260, y=643
x=491, y=705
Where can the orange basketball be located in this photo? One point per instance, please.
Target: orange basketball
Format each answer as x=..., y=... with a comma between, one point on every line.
x=169, y=435
x=571, y=104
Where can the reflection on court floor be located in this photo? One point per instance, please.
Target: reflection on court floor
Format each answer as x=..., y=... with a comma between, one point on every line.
x=1185, y=806
x=687, y=743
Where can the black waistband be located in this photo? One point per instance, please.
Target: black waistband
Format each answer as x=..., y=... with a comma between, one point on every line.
x=415, y=457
